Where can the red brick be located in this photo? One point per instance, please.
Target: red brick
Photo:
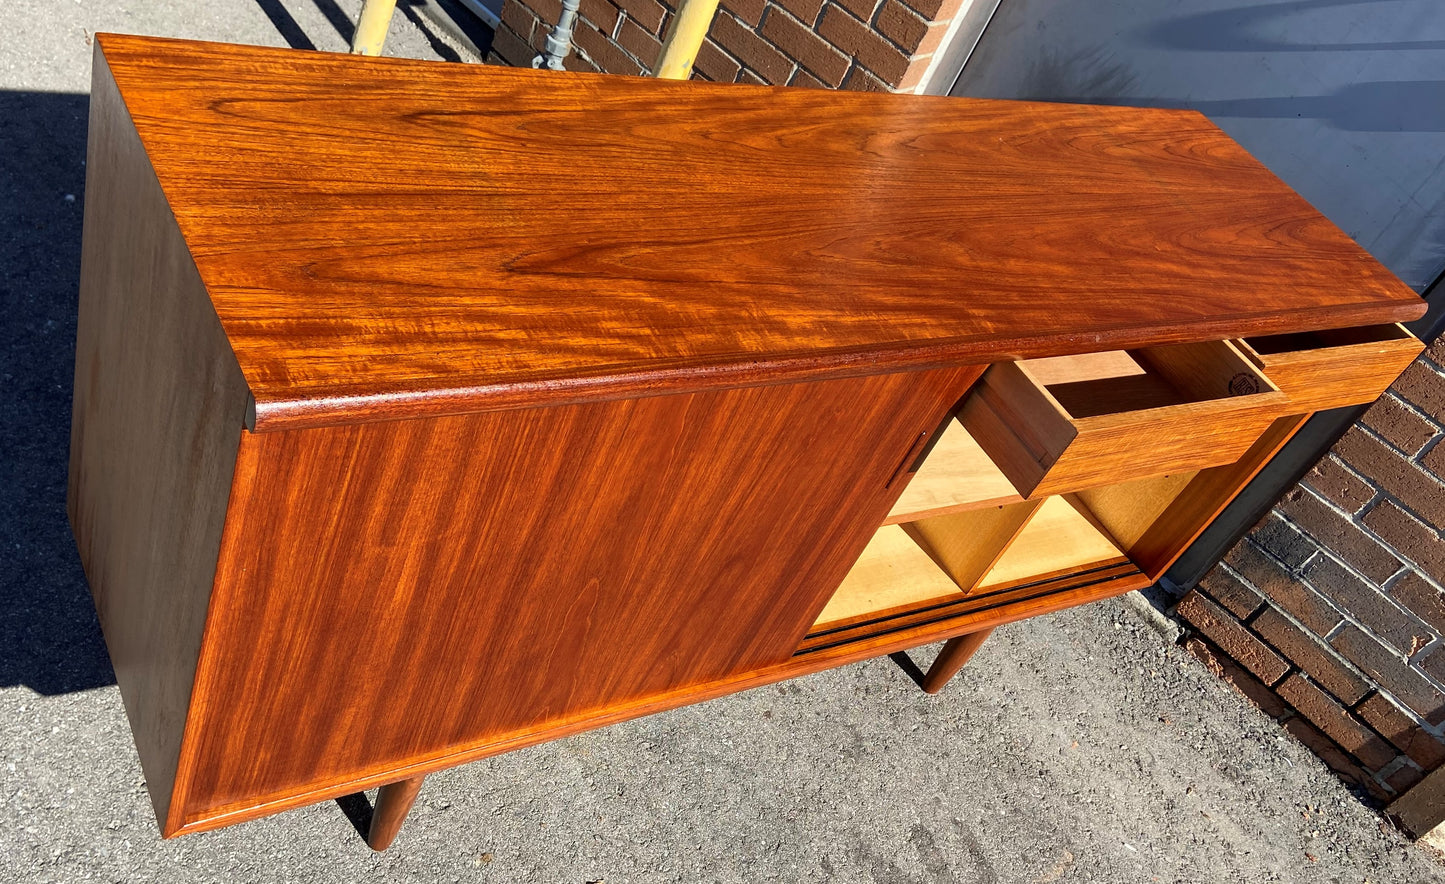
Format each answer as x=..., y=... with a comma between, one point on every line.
x=750, y=11
x=861, y=9
x=519, y=18
x=1436, y=351
x=1234, y=675
x=751, y=79
x=854, y=38
x=575, y=62
x=1423, y=387
x=1333, y=757
x=902, y=25
x=601, y=14
x=539, y=37
x=608, y=57
x=1318, y=660
x=1283, y=588
x=1283, y=541
x=1420, y=492
x=805, y=80
x=859, y=80
x=549, y=11
x=648, y=13
x=753, y=51
x=1404, y=777
x=917, y=68
x=1231, y=637
x=715, y=64
x=935, y=10
x=1368, y=605
x=933, y=39
x=1390, y=673
x=1238, y=598
x=1424, y=600
x=1434, y=460
x=1334, y=482
x=643, y=46
x=1342, y=727
x=1399, y=426
x=1434, y=663
x=1409, y=536
x=1403, y=731
x=806, y=47
x=1339, y=535
x=511, y=48
x=805, y=11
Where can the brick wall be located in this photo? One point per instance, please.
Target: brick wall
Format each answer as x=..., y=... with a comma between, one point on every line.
x=1329, y=614
x=875, y=45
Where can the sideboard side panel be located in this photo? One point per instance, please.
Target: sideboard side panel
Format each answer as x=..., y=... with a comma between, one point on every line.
x=397, y=591
x=158, y=411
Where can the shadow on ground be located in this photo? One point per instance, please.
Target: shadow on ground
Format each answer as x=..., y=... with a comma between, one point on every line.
x=49, y=638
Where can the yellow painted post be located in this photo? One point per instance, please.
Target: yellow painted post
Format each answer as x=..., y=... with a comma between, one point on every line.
x=371, y=29
x=684, y=39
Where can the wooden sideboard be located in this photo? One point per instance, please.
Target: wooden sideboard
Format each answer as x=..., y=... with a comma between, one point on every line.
x=427, y=411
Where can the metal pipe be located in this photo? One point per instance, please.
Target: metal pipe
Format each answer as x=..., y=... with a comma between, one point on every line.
x=559, y=42
x=684, y=38
x=371, y=27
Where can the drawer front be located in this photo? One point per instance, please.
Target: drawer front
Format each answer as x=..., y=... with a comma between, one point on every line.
x=1061, y=425
x=1330, y=369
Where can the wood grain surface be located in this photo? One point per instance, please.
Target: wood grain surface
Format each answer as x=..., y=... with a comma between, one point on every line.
x=1203, y=421
x=818, y=653
x=395, y=591
x=1204, y=498
x=158, y=410
x=385, y=237
x=1323, y=370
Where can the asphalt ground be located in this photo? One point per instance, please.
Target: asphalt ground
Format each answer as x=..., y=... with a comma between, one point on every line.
x=1081, y=746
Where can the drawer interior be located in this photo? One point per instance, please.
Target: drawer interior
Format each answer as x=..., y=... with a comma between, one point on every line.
x=1061, y=424
x=1337, y=367
x=1277, y=345
x=1093, y=384
x=1119, y=381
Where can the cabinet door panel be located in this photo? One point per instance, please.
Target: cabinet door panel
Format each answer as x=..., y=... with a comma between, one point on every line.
x=440, y=584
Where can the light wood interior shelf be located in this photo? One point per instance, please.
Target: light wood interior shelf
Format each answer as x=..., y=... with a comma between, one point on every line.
x=957, y=475
x=893, y=573
x=1055, y=541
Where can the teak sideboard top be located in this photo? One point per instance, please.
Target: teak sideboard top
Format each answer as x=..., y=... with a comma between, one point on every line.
x=427, y=411
x=383, y=238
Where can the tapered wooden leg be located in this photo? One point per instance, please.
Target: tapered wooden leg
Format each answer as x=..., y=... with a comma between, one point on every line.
x=392, y=803
x=952, y=658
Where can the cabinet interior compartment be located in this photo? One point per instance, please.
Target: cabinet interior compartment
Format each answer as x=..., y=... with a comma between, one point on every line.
x=940, y=559
x=956, y=475
x=1060, y=424
x=1127, y=511
x=937, y=562
x=1337, y=367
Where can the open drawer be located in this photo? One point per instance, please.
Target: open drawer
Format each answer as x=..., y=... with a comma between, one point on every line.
x=1073, y=422
x=1329, y=369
